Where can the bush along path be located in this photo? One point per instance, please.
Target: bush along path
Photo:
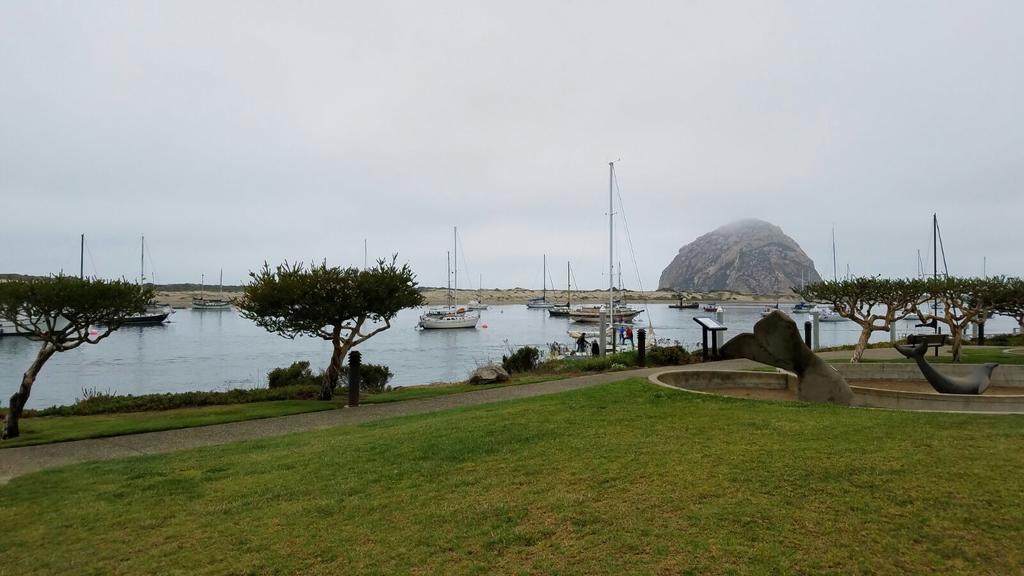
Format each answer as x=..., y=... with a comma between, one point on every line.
x=22, y=460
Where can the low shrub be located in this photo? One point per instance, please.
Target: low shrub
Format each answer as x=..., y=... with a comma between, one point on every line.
x=522, y=360
x=668, y=356
x=94, y=402
x=374, y=378
x=626, y=359
x=297, y=373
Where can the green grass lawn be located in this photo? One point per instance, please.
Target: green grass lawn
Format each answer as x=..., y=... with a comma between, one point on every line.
x=47, y=429
x=626, y=478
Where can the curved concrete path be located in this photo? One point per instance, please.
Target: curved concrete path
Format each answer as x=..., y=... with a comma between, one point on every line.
x=18, y=461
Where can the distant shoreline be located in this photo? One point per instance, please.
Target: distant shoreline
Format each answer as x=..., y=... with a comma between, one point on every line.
x=511, y=296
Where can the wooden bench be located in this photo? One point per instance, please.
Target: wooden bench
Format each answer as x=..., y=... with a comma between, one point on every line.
x=935, y=341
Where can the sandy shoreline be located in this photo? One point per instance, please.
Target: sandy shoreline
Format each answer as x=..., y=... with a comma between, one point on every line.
x=434, y=296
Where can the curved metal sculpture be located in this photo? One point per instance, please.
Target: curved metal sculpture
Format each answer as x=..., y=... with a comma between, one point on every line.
x=974, y=383
x=776, y=342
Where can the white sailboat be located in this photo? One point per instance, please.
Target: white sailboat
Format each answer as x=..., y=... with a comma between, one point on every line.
x=614, y=312
x=452, y=315
x=203, y=303
x=542, y=302
x=155, y=314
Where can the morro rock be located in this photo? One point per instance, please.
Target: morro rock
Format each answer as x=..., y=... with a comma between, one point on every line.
x=748, y=256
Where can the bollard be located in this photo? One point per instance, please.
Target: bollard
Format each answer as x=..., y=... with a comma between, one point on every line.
x=641, y=352
x=807, y=333
x=355, y=379
x=981, y=333
x=602, y=337
x=720, y=315
x=816, y=330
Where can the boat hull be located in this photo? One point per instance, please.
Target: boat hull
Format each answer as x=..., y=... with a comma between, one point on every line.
x=448, y=322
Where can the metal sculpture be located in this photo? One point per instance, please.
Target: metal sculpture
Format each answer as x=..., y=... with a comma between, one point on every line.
x=974, y=383
x=776, y=342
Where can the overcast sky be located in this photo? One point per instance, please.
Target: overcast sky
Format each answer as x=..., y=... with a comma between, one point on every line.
x=230, y=133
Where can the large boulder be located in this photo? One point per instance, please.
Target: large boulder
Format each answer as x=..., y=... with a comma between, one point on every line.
x=490, y=374
x=776, y=342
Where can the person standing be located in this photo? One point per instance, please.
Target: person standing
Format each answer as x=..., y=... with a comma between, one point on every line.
x=629, y=336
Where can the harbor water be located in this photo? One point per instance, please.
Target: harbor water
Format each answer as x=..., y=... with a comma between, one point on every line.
x=220, y=350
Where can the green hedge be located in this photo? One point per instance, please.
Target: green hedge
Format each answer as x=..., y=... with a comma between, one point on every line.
x=101, y=403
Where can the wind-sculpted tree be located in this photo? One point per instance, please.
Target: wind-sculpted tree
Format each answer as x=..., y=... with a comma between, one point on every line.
x=61, y=311
x=331, y=303
x=875, y=304
x=1011, y=300
x=964, y=300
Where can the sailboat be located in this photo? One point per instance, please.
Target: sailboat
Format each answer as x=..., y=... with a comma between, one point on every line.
x=477, y=304
x=542, y=302
x=452, y=315
x=564, y=310
x=155, y=314
x=203, y=303
x=619, y=313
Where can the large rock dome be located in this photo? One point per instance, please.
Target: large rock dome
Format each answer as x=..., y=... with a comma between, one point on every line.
x=749, y=256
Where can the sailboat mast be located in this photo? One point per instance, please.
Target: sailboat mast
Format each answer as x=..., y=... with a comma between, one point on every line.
x=835, y=273
x=202, y=284
x=448, y=259
x=568, y=283
x=544, y=280
x=455, y=241
x=142, y=262
x=935, y=264
x=81, y=260
x=611, y=247
x=220, y=287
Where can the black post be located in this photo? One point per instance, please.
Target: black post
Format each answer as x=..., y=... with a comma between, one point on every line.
x=705, y=349
x=714, y=345
x=355, y=362
x=641, y=352
x=807, y=333
x=981, y=333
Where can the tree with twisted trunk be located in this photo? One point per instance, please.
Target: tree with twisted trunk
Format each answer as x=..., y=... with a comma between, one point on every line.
x=331, y=303
x=964, y=300
x=61, y=311
x=875, y=304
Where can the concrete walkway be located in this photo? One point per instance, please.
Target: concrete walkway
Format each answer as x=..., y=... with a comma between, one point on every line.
x=26, y=459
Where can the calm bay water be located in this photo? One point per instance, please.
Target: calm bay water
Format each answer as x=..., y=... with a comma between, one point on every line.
x=219, y=350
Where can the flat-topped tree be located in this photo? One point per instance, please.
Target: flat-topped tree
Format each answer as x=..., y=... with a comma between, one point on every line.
x=331, y=303
x=59, y=312
x=964, y=300
x=1010, y=301
x=875, y=304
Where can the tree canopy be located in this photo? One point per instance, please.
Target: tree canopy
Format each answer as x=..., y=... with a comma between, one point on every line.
x=60, y=311
x=875, y=304
x=329, y=302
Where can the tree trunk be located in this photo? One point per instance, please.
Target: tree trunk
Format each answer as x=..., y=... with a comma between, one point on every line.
x=957, y=335
x=862, y=343
x=20, y=398
x=332, y=373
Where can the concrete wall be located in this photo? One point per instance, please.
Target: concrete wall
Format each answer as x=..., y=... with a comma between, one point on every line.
x=876, y=398
x=1004, y=375
x=712, y=379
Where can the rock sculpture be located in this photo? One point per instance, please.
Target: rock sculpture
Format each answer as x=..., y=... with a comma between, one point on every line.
x=974, y=383
x=776, y=342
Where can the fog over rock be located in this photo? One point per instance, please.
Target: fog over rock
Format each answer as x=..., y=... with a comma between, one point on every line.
x=749, y=256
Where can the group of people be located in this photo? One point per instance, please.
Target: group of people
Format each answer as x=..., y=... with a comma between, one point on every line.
x=625, y=334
